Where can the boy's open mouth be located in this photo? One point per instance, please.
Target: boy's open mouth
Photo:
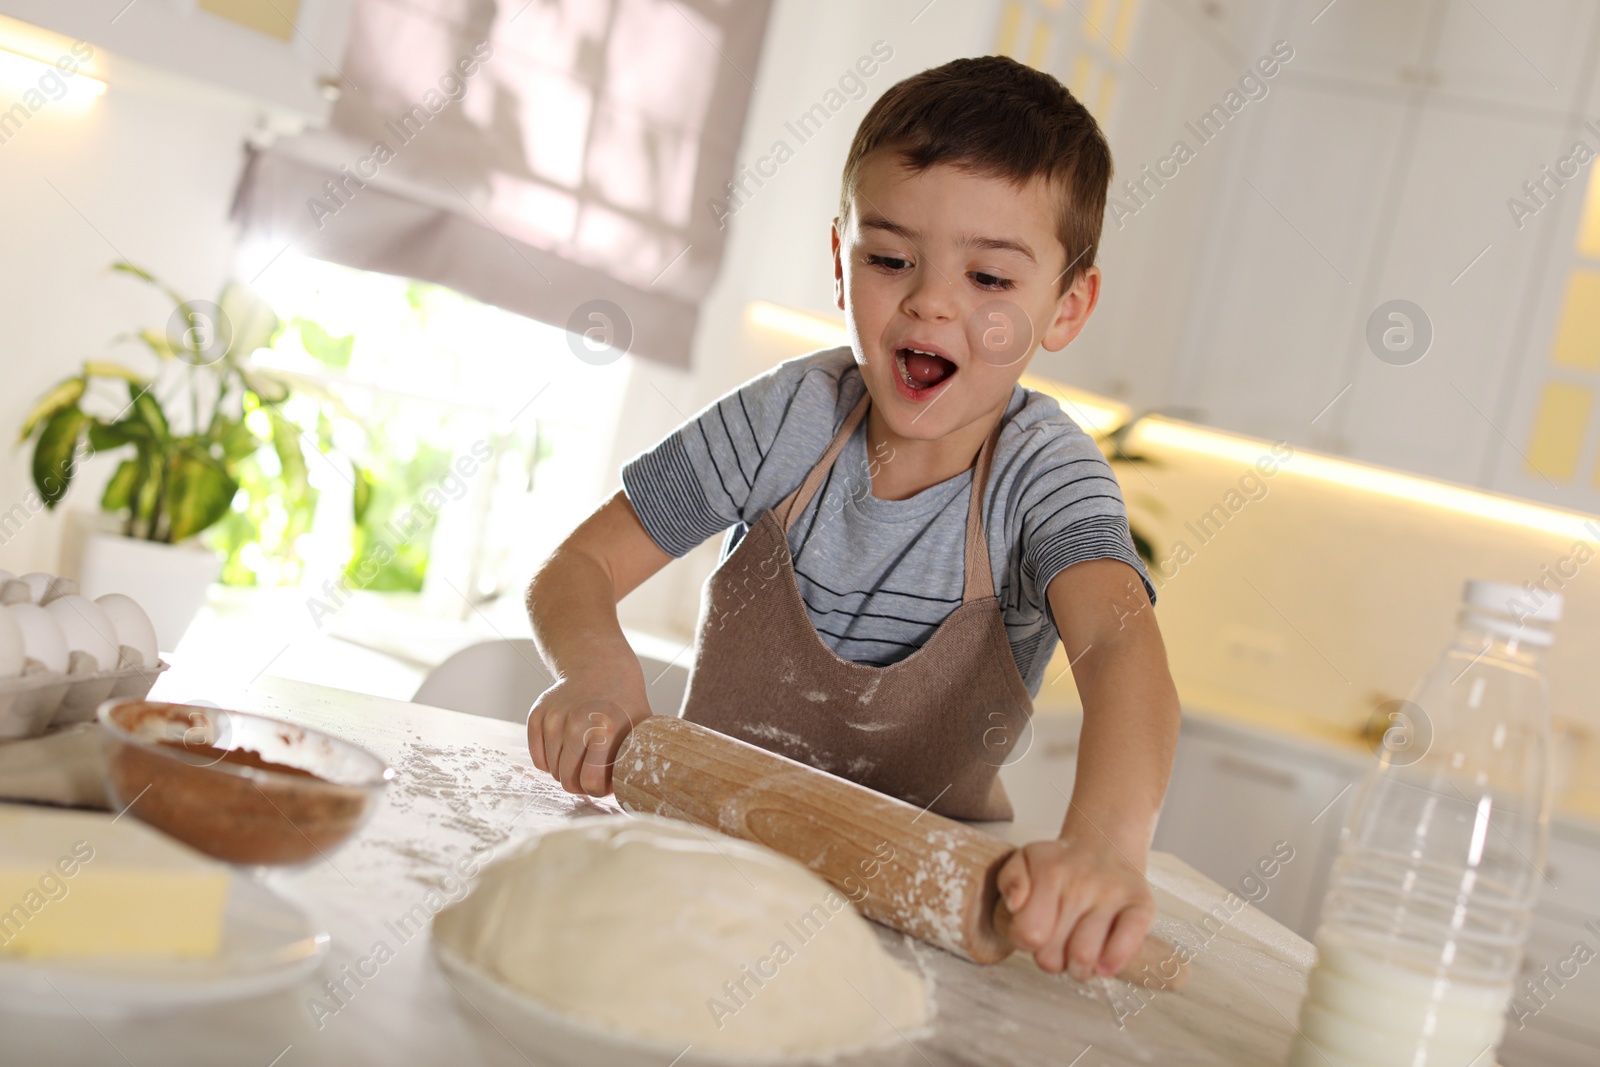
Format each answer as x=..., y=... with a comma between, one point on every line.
x=921, y=370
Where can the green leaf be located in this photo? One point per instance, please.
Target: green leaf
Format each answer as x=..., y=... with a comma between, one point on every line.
x=104, y=369
x=103, y=437
x=144, y=501
x=147, y=409
x=120, y=489
x=199, y=493
x=363, y=493
x=334, y=351
x=236, y=439
x=1149, y=503
x=251, y=321
x=65, y=393
x=138, y=272
x=1114, y=445
x=1143, y=546
x=150, y=279
x=55, y=456
x=267, y=388
x=286, y=442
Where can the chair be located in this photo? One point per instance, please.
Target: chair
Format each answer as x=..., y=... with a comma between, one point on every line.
x=501, y=679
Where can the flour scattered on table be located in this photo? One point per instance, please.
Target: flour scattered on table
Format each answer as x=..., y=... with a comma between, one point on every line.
x=472, y=793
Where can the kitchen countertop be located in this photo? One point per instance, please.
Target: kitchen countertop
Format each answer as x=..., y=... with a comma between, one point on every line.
x=465, y=783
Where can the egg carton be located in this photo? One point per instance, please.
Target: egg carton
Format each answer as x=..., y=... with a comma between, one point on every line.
x=33, y=703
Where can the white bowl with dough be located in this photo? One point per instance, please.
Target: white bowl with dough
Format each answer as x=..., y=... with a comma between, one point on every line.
x=621, y=940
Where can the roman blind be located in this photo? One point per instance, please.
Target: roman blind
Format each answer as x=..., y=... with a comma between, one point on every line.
x=539, y=155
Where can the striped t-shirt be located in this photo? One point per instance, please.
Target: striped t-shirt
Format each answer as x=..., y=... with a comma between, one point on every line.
x=879, y=576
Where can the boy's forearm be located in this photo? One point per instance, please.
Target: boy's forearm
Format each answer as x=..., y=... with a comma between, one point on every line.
x=572, y=605
x=1129, y=735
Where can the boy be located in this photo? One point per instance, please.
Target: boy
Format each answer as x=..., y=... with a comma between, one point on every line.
x=910, y=529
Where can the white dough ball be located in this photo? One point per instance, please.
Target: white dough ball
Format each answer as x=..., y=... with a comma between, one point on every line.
x=42, y=640
x=681, y=935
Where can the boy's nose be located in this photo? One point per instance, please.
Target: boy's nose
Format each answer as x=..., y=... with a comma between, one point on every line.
x=933, y=298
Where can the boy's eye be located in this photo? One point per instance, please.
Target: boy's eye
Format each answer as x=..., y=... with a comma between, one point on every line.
x=986, y=280
x=991, y=281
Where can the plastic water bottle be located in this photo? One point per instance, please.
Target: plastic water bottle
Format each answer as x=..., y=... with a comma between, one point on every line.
x=1425, y=921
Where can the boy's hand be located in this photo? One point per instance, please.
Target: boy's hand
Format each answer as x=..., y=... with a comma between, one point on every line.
x=1077, y=905
x=577, y=725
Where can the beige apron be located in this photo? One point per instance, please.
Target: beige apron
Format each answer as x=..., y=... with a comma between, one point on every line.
x=932, y=729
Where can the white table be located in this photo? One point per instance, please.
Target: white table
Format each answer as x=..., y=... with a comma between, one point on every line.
x=463, y=783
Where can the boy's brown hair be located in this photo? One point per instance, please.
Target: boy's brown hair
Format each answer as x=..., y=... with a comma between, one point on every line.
x=995, y=116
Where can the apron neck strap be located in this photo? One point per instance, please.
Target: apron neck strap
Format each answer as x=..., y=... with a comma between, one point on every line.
x=979, y=578
x=978, y=582
x=790, y=507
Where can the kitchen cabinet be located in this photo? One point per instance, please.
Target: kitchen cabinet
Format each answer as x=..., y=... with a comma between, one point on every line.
x=1492, y=51
x=1560, y=1026
x=1265, y=351
x=1235, y=794
x=1437, y=414
x=1039, y=776
x=287, y=62
x=1368, y=43
x=1235, y=797
x=1378, y=168
x=1514, y=52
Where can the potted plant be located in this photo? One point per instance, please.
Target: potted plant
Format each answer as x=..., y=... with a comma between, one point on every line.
x=183, y=433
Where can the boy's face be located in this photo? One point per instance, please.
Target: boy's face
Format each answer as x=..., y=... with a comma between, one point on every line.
x=950, y=280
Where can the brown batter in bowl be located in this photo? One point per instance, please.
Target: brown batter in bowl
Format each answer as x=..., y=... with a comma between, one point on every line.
x=243, y=788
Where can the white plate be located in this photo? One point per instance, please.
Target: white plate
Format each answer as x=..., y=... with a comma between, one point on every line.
x=267, y=944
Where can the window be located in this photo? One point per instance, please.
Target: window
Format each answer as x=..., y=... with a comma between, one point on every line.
x=484, y=440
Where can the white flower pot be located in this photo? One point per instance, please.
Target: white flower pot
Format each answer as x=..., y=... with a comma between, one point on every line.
x=169, y=581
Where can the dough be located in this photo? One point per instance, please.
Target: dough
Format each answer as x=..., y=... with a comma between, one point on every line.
x=682, y=935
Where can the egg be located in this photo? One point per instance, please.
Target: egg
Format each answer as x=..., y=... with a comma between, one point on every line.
x=134, y=629
x=43, y=588
x=42, y=640
x=11, y=656
x=87, y=628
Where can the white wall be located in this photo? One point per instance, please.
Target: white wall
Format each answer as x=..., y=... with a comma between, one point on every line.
x=145, y=176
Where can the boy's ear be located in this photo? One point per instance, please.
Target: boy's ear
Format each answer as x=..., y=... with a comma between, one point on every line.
x=838, y=269
x=1072, y=311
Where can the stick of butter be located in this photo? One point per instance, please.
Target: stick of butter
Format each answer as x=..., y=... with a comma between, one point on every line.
x=75, y=884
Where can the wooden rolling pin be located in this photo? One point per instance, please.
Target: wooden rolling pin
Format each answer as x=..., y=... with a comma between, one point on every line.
x=918, y=872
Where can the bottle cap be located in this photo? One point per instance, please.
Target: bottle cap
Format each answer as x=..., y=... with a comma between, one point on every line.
x=1509, y=609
